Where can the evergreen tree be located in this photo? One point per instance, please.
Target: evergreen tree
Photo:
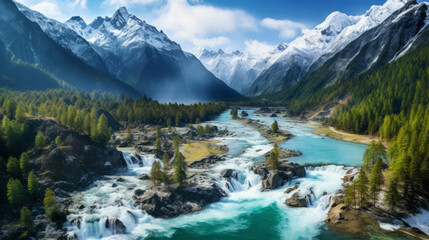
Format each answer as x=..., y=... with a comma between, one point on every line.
x=102, y=133
x=24, y=165
x=350, y=195
x=275, y=127
x=156, y=174
x=200, y=130
x=158, y=144
x=176, y=142
x=129, y=134
x=166, y=168
x=392, y=195
x=179, y=168
x=50, y=205
x=375, y=181
x=26, y=218
x=190, y=136
x=58, y=140
x=362, y=188
x=165, y=160
x=15, y=193
x=33, y=185
x=20, y=114
x=234, y=113
x=158, y=132
x=13, y=167
x=87, y=124
x=376, y=151
x=40, y=141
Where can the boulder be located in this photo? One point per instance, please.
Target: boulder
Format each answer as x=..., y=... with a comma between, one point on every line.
x=227, y=173
x=296, y=200
x=144, y=176
x=273, y=181
x=292, y=188
x=115, y=225
x=207, y=162
x=171, y=201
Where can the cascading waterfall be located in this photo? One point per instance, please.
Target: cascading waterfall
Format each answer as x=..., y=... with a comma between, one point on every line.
x=236, y=216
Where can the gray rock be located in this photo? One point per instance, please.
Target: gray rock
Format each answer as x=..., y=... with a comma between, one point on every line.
x=115, y=225
x=296, y=201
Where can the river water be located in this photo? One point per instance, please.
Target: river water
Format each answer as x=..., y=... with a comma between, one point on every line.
x=247, y=213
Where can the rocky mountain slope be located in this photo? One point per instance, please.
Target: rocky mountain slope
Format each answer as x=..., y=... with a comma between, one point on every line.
x=237, y=69
x=145, y=58
x=319, y=44
x=26, y=41
x=372, y=49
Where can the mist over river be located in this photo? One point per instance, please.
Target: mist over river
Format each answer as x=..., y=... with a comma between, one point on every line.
x=246, y=213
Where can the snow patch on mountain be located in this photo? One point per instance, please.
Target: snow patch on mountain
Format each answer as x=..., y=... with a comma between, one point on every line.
x=64, y=36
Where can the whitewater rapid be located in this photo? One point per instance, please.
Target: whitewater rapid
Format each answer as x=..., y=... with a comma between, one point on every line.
x=244, y=211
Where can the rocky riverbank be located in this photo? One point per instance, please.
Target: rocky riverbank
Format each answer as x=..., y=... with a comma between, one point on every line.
x=73, y=165
x=165, y=201
x=361, y=221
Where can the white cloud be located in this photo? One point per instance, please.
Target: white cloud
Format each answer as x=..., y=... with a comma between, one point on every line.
x=49, y=8
x=128, y=2
x=81, y=3
x=201, y=24
x=257, y=48
x=288, y=29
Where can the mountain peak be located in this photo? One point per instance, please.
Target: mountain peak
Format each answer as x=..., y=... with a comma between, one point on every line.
x=77, y=21
x=96, y=23
x=120, y=18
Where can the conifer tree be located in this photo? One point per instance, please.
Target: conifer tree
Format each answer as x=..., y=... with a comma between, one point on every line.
x=275, y=127
x=350, y=195
x=40, y=141
x=156, y=174
x=362, y=188
x=26, y=218
x=24, y=165
x=15, y=193
x=234, y=113
x=33, y=185
x=190, y=136
x=179, y=168
x=166, y=168
x=20, y=114
x=102, y=133
x=176, y=142
x=87, y=124
x=158, y=132
x=50, y=205
x=158, y=144
x=375, y=181
x=129, y=134
x=58, y=140
x=13, y=167
x=392, y=195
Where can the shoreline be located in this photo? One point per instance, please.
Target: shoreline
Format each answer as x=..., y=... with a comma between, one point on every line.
x=343, y=136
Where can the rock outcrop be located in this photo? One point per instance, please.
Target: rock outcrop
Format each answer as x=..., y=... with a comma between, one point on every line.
x=285, y=173
x=77, y=162
x=173, y=200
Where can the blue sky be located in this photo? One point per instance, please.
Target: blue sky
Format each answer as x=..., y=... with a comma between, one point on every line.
x=252, y=25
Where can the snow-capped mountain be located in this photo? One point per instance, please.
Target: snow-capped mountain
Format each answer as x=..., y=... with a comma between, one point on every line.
x=66, y=37
x=326, y=39
x=140, y=55
x=405, y=29
x=237, y=69
x=32, y=47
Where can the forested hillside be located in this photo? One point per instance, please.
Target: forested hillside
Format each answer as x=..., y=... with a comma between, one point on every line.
x=393, y=102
